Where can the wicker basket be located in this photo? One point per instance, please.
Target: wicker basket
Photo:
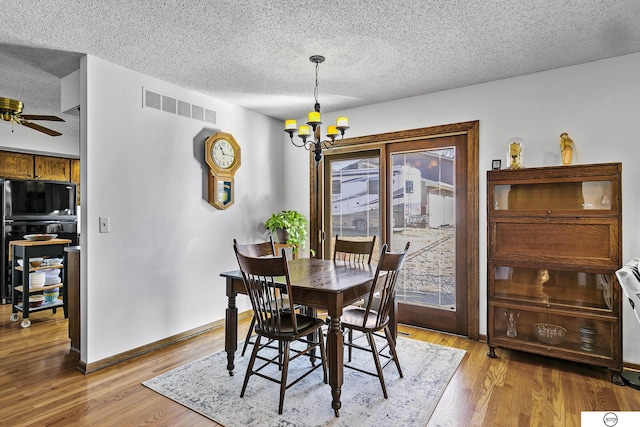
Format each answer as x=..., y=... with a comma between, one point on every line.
x=550, y=334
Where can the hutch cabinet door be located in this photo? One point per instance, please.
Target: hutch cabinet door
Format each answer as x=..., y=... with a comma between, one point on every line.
x=586, y=242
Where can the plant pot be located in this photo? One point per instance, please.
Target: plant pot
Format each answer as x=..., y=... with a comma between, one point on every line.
x=283, y=235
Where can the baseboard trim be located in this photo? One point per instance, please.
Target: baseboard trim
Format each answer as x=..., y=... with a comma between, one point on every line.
x=632, y=366
x=88, y=368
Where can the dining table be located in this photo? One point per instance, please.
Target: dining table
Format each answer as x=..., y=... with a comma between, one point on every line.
x=319, y=284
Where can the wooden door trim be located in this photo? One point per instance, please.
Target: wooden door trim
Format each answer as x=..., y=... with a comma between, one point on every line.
x=362, y=143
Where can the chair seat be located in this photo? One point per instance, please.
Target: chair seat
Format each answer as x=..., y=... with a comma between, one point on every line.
x=286, y=306
x=353, y=318
x=306, y=325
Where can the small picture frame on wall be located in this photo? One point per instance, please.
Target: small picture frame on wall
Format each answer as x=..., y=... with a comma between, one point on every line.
x=496, y=164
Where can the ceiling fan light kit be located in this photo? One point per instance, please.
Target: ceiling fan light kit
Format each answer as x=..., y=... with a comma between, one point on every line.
x=313, y=125
x=11, y=111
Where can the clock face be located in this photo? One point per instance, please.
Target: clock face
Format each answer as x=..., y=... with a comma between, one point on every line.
x=223, y=153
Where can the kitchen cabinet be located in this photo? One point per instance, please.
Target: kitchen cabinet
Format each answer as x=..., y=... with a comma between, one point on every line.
x=52, y=168
x=75, y=177
x=554, y=244
x=34, y=166
x=27, y=249
x=16, y=165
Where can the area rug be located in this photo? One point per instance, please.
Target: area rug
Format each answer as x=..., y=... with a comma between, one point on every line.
x=206, y=387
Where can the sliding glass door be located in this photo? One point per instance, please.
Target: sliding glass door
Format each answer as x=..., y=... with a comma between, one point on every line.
x=418, y=187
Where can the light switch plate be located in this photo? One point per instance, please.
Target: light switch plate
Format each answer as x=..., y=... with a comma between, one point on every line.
x=105, y=224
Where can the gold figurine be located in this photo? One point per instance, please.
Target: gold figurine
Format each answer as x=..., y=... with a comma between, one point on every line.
x=566, y=148
x=542, y=277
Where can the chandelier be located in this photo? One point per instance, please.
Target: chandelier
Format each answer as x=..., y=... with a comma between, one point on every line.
x=313, y=125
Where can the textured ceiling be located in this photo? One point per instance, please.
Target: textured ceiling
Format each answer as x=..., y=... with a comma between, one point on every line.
x=255, y=53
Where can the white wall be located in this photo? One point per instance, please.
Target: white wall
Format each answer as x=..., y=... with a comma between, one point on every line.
x=156, y=274
x=596, y=103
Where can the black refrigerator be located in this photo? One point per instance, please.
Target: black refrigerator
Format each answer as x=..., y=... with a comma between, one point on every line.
x=34, y=207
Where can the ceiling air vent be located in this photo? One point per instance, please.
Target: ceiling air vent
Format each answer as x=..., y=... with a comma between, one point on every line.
x=173, y=105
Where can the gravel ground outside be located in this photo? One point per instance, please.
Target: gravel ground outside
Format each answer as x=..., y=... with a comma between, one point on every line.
x=428, y=274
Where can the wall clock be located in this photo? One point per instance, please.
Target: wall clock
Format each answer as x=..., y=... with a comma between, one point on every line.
x=222, y=154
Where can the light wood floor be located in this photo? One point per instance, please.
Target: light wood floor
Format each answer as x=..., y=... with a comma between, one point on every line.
x=39, y=385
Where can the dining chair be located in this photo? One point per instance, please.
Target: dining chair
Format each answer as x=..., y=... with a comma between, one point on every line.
x=356, y=251
x=257, y=250
x=369, y=321
x=263, y=278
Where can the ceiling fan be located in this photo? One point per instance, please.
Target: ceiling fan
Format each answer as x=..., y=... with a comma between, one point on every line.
x=11, y=111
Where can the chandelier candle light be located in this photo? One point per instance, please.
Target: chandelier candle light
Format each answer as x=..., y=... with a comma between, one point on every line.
x=313, y=124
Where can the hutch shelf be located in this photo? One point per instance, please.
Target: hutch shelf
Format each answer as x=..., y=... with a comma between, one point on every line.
x=554, y=244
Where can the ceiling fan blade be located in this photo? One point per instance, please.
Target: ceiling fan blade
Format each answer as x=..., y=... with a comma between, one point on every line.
x=40, y=128
x=39, y=117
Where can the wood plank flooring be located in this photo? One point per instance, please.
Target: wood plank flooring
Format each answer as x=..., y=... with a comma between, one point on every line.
x=39, y=385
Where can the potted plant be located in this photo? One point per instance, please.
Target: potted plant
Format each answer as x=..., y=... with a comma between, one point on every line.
x=290, y=227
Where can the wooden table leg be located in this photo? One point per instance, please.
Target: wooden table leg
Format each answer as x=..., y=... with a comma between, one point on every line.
x=231, y=327
x=335, y=352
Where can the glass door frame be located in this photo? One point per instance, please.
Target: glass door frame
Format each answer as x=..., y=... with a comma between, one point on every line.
x=378, y=142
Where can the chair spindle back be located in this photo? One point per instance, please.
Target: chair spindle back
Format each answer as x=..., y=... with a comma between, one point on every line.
x=384, y=285
x=354, y=251
x=263, y=278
